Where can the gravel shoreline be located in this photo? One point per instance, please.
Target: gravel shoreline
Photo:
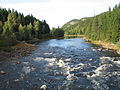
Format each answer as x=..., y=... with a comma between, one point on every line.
x=18, y=51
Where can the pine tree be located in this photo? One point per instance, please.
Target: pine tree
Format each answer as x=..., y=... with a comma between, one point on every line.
x=12, y=22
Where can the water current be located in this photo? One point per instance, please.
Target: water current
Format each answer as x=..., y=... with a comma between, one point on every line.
x=64, y=64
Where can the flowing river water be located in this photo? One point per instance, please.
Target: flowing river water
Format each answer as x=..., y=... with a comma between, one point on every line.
x=65, y=64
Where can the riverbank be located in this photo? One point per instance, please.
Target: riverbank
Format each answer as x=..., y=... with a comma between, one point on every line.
x=22, y=49
x=106, y=45
x=17, y=51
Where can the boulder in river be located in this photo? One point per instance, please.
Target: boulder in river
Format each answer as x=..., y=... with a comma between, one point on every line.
x=2, y=72
x=43, y=87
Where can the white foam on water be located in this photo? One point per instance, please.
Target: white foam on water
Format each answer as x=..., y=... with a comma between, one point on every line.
x=48, y=53
x=61, y=63
x=28, y=69
x=37, y=59
x=105, y=58
x=94, y=49
x=26, y=63
x=117, y=62
x=71, y=77
x=51, y=61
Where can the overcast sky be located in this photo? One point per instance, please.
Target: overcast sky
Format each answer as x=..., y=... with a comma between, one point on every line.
x=58, y=12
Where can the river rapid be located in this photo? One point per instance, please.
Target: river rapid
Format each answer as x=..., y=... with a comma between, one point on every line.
x=64, y=64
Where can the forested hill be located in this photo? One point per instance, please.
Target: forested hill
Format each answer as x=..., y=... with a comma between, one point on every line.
x=70, y=23
x=14, y=26
x=105, y=27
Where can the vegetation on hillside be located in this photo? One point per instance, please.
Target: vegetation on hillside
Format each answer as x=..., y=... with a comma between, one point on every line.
x=105, y=27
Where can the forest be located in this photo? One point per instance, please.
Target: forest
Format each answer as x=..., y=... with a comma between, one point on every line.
x=104, y=27
x=15, y=27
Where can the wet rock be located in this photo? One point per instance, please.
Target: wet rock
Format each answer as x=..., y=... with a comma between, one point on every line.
x=91, y=73
x=115, y=59
x=2, y=72
x=18, y=62
x=43, y=87
x=82, y=74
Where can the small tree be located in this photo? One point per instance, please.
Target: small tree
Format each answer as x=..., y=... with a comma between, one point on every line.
x=30, y=30
x=37, y=29
x=20, y=36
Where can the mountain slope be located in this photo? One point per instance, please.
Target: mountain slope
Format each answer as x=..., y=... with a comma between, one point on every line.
x=105, y=26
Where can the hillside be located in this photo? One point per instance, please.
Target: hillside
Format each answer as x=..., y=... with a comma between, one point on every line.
x=70, y=23
x=72, y=27
x=104, y=27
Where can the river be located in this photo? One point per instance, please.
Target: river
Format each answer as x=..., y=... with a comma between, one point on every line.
x=64, y=64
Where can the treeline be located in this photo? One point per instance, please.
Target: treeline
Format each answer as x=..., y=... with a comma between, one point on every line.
x=14, y=26
x=57, y=32
x=105, y=27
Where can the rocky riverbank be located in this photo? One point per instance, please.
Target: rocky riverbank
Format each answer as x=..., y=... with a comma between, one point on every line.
x=22, y=49
x=17, y=51
x=103, y=44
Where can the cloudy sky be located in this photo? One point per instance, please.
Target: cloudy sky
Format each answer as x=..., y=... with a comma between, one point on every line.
x=58, y=12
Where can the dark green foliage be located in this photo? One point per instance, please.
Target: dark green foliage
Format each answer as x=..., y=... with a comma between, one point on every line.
x=3, y=14
x=105, y=27
x=45, y=29
x=29, y=19
x=15, y=27
x=1, y=27
x=57, y=32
